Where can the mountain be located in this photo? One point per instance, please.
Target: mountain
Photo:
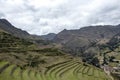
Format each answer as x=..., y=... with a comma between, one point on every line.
x=49, y=36
x=75, y=40
x=8, y=27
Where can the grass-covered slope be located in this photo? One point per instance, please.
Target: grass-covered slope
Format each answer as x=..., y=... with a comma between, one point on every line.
x=12, y=43
x=67, y=70
x=26, y=54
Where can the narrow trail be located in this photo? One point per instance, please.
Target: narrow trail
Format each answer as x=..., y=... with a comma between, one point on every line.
x=108, y=70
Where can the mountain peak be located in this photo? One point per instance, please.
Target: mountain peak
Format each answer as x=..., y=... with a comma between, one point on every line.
x=65, y=30
x=6, y=22
x=8, y=27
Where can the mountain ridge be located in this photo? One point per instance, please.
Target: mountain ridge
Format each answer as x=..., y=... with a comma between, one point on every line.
x=8, y=27
x=84, y=37
x=49, y=36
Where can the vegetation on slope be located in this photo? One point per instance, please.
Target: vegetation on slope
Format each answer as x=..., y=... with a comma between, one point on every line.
x=67, y=70
x=26, y=60
x=26, y=54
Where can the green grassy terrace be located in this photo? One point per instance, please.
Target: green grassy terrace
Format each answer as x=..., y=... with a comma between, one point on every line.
x=67, y=70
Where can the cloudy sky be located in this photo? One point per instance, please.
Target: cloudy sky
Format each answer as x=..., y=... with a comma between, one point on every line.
x=51, y=16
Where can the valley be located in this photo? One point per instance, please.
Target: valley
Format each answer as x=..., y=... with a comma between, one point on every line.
x=90, y=53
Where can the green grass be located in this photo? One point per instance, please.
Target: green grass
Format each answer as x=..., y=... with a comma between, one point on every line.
x=67, y=70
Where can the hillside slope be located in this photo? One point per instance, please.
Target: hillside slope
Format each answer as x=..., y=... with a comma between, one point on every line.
x=8, y=27
x=49, y=36
x=12, y=43
x=84, y=37
x=27, y=54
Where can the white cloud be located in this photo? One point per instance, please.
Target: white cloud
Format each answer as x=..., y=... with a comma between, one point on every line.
x=45, y=16
x=45, y=3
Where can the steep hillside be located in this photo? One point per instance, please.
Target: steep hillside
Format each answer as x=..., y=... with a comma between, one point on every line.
x=12, y=43
x=8, y=27
x=110, y=55
x=84, y=37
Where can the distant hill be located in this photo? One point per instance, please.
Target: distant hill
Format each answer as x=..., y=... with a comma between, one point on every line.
x=49, y=36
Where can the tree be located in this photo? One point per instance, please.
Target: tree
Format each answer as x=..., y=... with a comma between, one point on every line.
x=111, y=58
x=33, y=61
x=95, y=62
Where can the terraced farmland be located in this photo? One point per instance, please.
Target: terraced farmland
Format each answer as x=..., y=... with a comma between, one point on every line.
x=67, y=70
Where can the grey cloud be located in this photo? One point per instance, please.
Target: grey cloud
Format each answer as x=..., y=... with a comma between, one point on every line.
x=70, y=14
x=2, y=15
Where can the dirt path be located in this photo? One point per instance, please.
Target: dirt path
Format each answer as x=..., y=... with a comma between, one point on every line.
x=108, y=70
